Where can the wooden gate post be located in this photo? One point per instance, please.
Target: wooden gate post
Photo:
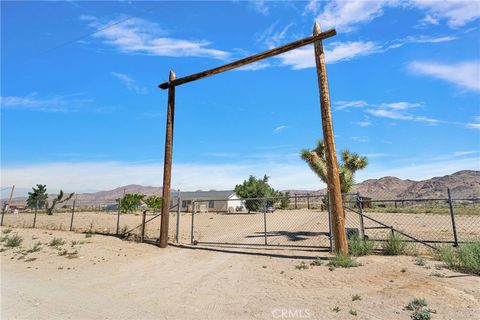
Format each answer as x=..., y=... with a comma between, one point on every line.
x=167, y=164
x=340, y=237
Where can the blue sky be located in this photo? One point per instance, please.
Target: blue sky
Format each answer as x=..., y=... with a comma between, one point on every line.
x=80, y=107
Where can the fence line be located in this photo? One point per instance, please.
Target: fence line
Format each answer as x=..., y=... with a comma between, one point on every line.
x=291, y=221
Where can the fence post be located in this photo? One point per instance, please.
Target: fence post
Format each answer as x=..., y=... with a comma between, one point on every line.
x=4, y=207
x=73, y=213
x=144, y=215
x=35, y=214
x=452, y=216
x=296, y=201
x=308, y=201
x=193, y=220
x=118, y=215
x=265, y=222
x=329, y=208
x=178, y=217
x=360, y=208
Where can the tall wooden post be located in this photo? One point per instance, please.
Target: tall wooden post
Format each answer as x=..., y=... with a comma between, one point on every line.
x=7, y=206
x=341, y=245
x=167, y=164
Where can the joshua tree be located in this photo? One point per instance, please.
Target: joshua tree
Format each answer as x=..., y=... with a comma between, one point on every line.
x=57, y=200
x=351, y=162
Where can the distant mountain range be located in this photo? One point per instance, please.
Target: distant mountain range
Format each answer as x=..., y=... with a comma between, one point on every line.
x=463, y=184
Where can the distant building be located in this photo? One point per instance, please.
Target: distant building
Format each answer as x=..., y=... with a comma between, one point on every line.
x=208, y=201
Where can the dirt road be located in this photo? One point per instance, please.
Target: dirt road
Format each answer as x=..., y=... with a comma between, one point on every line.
x=107, y=278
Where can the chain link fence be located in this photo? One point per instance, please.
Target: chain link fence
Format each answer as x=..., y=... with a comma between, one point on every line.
x=299, y=220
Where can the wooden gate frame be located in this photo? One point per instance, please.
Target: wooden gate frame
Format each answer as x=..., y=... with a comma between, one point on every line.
x=327, y=127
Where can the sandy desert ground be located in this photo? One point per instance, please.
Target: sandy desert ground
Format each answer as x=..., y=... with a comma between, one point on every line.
x=103, y=277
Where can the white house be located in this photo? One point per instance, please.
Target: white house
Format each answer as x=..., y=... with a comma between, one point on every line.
x=212, y=200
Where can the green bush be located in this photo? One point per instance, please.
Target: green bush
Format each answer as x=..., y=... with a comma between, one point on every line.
x=419, y=308
x=465, y=258
x=394, y=246
x=360, y=247
x=56, y=242
x=343, y=261
x=14, y=241
x=316, y=262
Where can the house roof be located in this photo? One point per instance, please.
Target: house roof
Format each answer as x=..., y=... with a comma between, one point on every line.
x=212, y=195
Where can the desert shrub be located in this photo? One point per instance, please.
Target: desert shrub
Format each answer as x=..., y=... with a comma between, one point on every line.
x=56, y=242
x=342, y=261
x=35, y=248
x=360, y=247
x=415, y=304
x=6, y=231
x=301, y=266
x=423, y=314
x=356, y=297
x=394, y=246
x=420, y=261
x=465, y=258
x=353, y=312
x=317, y=262
x=419, y=308
x=13, y=242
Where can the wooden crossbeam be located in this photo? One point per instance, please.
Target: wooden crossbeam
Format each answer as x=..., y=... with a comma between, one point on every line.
x=248, y=60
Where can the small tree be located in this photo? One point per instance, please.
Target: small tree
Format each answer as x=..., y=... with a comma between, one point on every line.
x=154, y=202
x=38, y=193
x=130, y=202
x=57, y=200
x=255, y=188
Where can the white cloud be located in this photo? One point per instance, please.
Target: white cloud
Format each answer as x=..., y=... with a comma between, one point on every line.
x=259, y=65
x=139, y=36
x=464, y=153
x=334, y=52
x=53, y=104
x=475, y=124
x=360, y=139
x=400, y=115
x=279, y=129
x=271, y=38
x=344, y=15
x=260, y=6
x=340, y=105
x=401, y=105
x=129, y=83
x=365, y=122
x=456, y=13
x=462, y=74
x=391, y=110
x=80, y=177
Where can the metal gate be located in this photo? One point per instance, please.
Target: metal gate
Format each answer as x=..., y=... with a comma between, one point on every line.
x=284, y=221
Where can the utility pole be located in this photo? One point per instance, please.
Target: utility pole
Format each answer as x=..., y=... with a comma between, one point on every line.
x=167, y=164
x=340, y=237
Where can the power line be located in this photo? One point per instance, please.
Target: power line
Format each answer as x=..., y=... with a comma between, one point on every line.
x=99, y=30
